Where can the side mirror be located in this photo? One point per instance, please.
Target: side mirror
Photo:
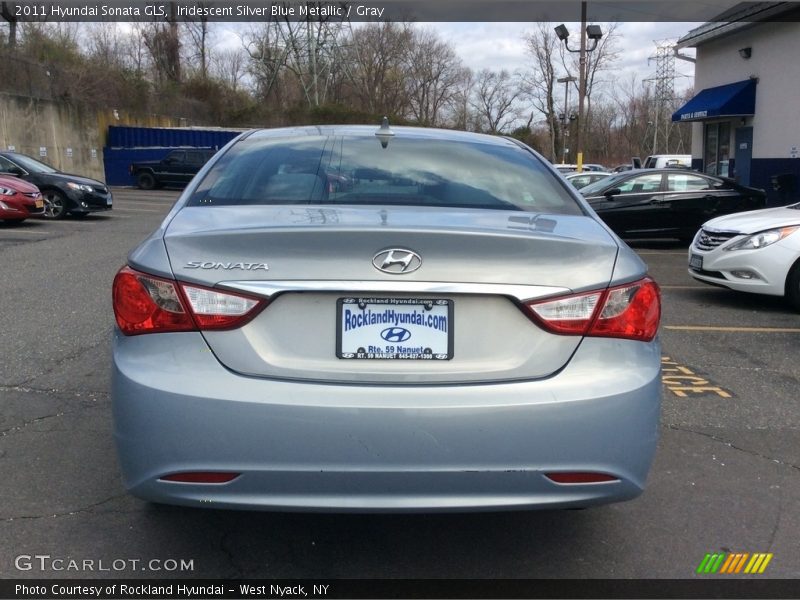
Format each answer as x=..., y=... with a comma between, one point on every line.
x=15, y=171
x=609, y=194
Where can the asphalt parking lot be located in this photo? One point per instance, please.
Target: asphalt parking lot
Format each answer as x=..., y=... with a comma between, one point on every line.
x=726, y=476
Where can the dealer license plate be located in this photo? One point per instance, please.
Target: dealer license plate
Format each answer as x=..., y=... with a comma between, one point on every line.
x=696, y=261
x=394, y=328
x=40, y=204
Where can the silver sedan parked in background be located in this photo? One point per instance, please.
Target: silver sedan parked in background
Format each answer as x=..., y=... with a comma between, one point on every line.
x=580, y=180
x=364, y=319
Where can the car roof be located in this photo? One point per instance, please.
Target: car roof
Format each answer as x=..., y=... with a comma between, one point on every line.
x=684, y=171
x=371, y=130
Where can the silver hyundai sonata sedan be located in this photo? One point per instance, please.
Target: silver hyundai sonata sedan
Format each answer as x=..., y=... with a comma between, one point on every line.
x=384, y=319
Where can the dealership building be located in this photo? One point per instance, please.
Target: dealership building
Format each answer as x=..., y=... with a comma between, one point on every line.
x=746, y=107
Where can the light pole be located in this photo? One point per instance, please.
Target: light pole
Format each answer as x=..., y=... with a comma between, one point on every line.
x=594, y=33
x=565, y=119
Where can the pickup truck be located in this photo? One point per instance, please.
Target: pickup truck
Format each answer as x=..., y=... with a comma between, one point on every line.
x=176, y=169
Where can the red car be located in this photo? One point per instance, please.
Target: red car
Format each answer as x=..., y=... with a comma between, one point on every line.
x=19, y=200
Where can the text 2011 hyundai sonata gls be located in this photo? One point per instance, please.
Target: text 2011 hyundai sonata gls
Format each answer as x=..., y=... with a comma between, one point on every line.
x=364, y=319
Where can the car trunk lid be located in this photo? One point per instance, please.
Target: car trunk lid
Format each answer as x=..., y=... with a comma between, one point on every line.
x=309, y=260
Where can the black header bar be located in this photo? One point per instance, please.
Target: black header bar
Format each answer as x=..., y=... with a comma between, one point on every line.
x=202, y=589
x=398, y=10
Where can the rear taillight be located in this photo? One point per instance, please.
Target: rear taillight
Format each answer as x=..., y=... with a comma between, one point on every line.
x=148, y=304
x=630, y=311
x=213, y=309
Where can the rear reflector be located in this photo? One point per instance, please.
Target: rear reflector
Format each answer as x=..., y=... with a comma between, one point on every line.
x=147, y=304
x=201, y=477
x=630, y=311
x=580, y=477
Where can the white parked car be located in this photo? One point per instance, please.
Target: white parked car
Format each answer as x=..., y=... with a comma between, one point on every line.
x=756, y=251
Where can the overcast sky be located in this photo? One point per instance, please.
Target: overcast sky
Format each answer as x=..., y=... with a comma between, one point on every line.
x=501, y=46
x=498, y=46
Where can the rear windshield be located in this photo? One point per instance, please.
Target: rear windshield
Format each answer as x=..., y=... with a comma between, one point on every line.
x=409, y=171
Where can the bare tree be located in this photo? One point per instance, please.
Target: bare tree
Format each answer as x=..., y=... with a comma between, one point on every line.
x=135, y=53
x=198, y=33
x=540, y=81
x=373, y=61
x=162, y=41
x=307, y=49
x=494, y=99
x=461, y=115
x=434, y=75
x=230, y=66
x=8, y=12
x=267, y=57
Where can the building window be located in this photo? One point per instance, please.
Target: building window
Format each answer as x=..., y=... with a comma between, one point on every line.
x=717, y=148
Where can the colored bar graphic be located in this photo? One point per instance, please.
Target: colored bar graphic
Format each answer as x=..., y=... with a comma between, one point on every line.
x=764, y=564
x=740, y=564
x=728, y=563
x=717, y=563
x=734, y=563
x=754, y=564
x=704, y=564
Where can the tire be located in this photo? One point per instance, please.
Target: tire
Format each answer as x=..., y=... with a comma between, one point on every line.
x=793, y=286
x=55, y=204
x=146, y=181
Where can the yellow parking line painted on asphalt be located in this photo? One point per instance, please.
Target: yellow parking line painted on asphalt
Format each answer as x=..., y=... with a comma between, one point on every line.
x=682, y=381
x=733, y=329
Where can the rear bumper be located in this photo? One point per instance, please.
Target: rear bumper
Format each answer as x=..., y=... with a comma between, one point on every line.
x=301, y=446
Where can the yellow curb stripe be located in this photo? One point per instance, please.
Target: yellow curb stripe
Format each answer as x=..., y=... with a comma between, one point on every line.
x=733, y=329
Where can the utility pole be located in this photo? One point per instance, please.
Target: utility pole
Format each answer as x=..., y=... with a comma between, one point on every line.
x=581, y=89
x=565, y=117
x=594, y=33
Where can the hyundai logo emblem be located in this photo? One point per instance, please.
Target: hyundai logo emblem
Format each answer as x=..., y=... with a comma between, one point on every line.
x=397, y=261
x=395, y=334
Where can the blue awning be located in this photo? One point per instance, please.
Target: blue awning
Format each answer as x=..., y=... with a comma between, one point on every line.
x=731, y=100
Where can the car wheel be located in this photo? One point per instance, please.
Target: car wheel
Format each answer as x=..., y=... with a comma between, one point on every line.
x=793, y=286
x=146, y=181
x=55, y=204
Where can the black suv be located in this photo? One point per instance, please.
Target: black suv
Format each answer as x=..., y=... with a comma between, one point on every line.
x=63, y=193
x=176, y=169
